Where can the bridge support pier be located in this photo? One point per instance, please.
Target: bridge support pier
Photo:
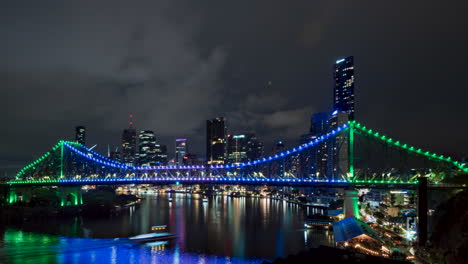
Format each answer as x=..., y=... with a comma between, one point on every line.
x=350, y=205
x=70, y=196
x=5, y=193
x=422, y=211
x=23, y=194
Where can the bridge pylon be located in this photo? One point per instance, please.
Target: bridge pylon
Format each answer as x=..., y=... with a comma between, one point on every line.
x=351, y=151
x=350, y=205
x=422, y=211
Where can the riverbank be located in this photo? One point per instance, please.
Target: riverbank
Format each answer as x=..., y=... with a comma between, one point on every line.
x=99, y=202
x=325, y=254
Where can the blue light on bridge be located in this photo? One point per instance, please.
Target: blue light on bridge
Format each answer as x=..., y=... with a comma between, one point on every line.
x=97, y=158
x=180, y=180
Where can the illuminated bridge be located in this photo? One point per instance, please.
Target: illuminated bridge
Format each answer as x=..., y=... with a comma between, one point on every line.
x=350, y=156
x=363, y=157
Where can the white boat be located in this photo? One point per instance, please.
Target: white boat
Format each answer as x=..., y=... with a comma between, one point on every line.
x=205, y=200
x=151, y=237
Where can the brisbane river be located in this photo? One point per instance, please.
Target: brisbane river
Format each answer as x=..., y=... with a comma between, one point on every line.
x=222, y=230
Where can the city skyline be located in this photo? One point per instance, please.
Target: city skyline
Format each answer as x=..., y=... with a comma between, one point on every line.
x=343, y=103
x=54, y=85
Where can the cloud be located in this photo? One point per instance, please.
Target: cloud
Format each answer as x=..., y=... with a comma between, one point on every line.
x=271, y=116
x=150, y=68
x=288, y=118
x=311, y=34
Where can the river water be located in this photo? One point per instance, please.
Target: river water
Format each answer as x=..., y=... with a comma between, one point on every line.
x=222, y=230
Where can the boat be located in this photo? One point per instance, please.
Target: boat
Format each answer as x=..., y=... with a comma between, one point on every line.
x=319, y=221
x=235, y=194
x=205, y=200
x=170, y=199
x=318, y=225
x=150, y=237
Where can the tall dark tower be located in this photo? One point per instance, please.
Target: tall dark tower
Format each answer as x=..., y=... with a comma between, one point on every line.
x=80, y=135
x=129, y=144
x=343, y=96
x=216, y=141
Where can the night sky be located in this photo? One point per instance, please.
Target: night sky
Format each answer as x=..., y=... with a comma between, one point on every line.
x=174, y=65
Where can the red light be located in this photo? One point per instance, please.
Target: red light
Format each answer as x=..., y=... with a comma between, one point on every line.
x=185, y=157
x=131, y=116
x=131, y=123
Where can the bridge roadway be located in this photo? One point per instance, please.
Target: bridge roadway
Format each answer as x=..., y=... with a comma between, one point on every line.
x=293, y=182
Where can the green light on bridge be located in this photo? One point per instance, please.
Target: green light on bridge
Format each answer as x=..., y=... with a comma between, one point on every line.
x=409, y=148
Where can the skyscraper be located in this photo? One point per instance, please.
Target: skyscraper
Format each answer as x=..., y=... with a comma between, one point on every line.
x=255, y=148
x=314, y=160
x=129, y=144
x=237, y=148
x=80, y=134
x=146, y=148
x=278, y=167
x=161, y=154
x=337, y=159
x=216, y=141
x=344, y=86
x=319, y=123
x=180, y=150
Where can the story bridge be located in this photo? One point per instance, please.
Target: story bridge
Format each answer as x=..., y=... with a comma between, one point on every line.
x=350, y=156
x=356, y=156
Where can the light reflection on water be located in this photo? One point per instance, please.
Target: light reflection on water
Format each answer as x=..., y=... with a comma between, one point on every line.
x=224, y=230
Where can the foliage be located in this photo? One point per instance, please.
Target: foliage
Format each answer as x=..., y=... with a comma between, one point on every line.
x=449, y=240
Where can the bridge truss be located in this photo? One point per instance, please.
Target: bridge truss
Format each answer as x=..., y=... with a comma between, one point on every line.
x=71, y=162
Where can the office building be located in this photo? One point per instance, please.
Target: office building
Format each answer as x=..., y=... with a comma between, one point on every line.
x=255, y=148
x=313, y=161
x=161, y=154
x=306, y=157
x=129, y=146
x=319, y=123
x=216, y=141
x=337, y=159
x=279, y=165
x=180, y=150
x=80, y=135
x=237, y=148
x=344, y=86
x=146, y=148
